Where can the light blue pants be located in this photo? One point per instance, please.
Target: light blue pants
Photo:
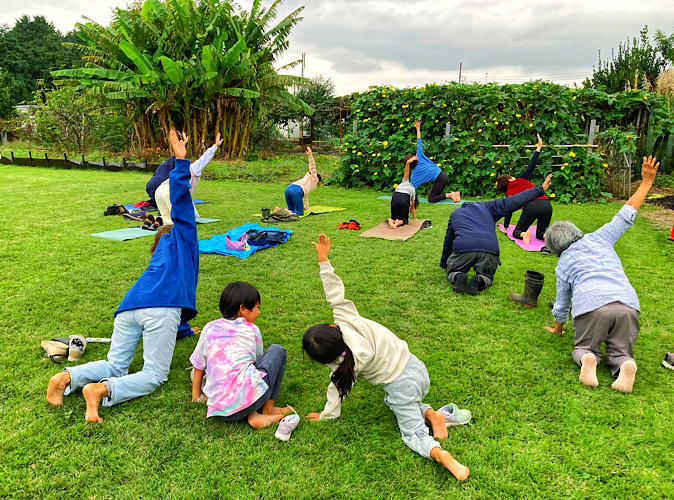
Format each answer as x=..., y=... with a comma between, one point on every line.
x=404, y=397
x=157, y=326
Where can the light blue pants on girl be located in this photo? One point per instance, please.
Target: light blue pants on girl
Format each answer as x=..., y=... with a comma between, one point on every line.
x=157, y=326
x=404, y=397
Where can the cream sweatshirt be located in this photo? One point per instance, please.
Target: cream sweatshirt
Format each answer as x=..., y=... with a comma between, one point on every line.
x=380, y=357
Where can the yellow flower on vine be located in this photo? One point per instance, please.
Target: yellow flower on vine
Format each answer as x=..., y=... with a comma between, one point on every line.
x=357, y=170
x=552, y=195
x=395, y=185
x=374, y=154
x=376, y=173
x=359, y=153
x=605, y=165
x=479, y=130
x=531, y=125
x=401, y=125
x=492, y=174
x=407, y=119
x=385, y=143
x=566, y=164
x=498, y=162
x=518, y=115
x=562, y=167
x=572, y=154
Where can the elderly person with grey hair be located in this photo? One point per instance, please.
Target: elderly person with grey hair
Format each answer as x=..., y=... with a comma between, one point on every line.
x=605, y=306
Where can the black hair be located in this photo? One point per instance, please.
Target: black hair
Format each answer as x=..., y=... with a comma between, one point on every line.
x=319, y=177
x=236, y=294
x=324, y=343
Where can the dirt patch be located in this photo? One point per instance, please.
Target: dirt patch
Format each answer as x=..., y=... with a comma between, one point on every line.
x=664, y=202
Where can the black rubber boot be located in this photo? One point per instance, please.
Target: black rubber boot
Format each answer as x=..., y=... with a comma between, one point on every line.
x=533, y=284
x=460, y=283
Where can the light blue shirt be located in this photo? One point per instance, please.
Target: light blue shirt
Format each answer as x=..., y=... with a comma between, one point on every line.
x=425, y=171
x=590, y=273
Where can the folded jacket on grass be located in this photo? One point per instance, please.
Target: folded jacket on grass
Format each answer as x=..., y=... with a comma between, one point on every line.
x=217, y=243
x=400, y=233
x=534, y=244
x=425, y=200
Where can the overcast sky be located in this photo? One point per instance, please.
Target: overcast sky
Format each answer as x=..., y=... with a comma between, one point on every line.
x=358, y=43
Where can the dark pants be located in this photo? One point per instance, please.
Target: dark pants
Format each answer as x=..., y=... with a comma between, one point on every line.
x=439, y=186
x=294, y=199
x=615, y=324
x=400, y=207
x=537, y=209
x=484, y=264
x=273, y=363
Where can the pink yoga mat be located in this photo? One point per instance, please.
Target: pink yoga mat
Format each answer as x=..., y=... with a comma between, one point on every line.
x=534, y=245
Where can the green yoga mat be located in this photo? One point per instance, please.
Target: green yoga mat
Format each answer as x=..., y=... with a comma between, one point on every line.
x=425, y=200
x=316, y=210
x=131, y=233
x=128, y=233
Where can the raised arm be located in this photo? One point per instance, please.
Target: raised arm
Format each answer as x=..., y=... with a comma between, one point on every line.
x=312, y=163
x=406, y=173
x=420, y=148
x=199, y=165
x=649, y=167
x=342, y=308
x=526, y=173
x=182, y=211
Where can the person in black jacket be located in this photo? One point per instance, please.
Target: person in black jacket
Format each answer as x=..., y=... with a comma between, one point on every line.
x=471, y=241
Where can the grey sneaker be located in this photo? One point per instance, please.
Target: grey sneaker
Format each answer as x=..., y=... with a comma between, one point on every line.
x=668, y=362
x=287, y=425
x=454, y=416
x=76, y=346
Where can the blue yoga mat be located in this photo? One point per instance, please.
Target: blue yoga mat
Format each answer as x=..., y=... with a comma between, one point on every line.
x=425, y=200
x=129, y=233
x=216, y=244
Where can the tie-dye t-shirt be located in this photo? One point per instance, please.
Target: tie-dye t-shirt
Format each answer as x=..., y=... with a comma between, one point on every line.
x=227, y=350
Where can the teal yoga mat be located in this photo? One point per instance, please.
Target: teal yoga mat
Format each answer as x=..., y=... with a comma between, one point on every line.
x=425, y=200
x=128, y=233
x=131, y=233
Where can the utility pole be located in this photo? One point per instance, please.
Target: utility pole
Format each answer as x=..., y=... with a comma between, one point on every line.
x=460, y=64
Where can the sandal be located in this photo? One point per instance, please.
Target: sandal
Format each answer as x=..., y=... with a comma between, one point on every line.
x=149, y=221
x=158, y=222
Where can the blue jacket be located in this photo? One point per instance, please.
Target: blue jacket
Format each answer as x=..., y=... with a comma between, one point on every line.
x=170, y=279
x=160, y=175
x=471, y=226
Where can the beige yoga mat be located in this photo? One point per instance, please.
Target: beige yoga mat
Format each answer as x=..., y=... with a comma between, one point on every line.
x=401, y=233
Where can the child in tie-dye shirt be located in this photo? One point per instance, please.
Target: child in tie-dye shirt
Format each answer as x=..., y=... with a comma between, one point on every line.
x=231, y=372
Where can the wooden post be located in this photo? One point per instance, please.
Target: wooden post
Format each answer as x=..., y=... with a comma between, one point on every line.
x=123, y=162
x=340, y=120
x=590, y=133
x=83, y=160
x=12, y=153
x=30, y=156
x=448, y=128
x=355, y=127
x=46, y=158
x=145, y=163
x=65, y=157
x=104, y=161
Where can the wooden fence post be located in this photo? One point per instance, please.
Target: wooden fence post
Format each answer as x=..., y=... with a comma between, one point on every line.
x=30, y=156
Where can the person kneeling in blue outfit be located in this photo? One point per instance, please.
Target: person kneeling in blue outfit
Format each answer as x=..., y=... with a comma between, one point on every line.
x=154, y=309
x=471, y=240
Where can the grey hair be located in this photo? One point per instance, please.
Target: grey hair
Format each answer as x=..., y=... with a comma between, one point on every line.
x=561, y=235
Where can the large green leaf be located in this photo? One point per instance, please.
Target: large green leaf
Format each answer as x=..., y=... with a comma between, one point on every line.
x=173, y=71
x=141, y=61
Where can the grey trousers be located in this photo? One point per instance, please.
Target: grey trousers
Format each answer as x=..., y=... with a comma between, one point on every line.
x=615, y=324
x=485, y=265
x=404, y=397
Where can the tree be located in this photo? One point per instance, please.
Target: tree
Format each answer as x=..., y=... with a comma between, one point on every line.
x=665, y=45
x=8, y=90
x=319, y=94
x=634, y=66
x=195, y=66
x=29, y=51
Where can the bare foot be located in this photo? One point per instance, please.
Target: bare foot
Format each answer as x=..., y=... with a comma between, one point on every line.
x=57, y=386
x=625, y=380
x=258, y=420
x=525, y=237
x=437, y=422
x=93, y=394
x=391, y=224
x=461, y=472
x=268, y=408
x=588, y=370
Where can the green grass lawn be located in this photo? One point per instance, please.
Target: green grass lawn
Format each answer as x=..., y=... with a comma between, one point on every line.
x=536, y=431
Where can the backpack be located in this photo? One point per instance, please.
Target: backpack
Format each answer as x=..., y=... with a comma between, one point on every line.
x=115, y=209
x=265, y=238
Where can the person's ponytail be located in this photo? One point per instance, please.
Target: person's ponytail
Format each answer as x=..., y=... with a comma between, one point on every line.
x=324, y=343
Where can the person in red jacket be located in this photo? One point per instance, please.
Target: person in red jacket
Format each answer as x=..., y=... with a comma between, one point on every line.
x=540, y=208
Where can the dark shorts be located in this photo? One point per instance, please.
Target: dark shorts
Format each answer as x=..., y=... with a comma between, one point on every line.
x=400, y=207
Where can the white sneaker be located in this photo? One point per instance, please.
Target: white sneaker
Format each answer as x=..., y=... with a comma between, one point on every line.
x=287, y=425
x=76, y=347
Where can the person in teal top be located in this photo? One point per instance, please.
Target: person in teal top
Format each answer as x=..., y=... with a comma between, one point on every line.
x=163, y=298
x=427, y=171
